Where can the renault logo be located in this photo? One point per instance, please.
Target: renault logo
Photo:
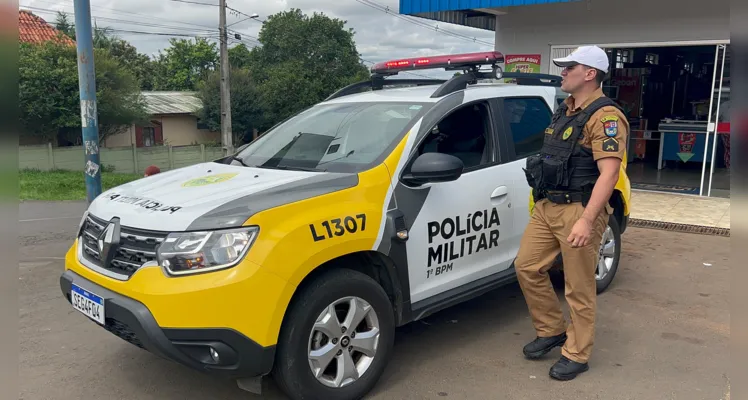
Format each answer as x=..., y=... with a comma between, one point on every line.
x=108, y=242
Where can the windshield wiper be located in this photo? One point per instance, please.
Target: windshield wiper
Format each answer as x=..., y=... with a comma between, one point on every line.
x=289, y=168
x=235, y=158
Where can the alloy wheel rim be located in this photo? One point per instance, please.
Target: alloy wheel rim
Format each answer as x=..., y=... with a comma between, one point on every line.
x=606, y=254
x=343, y=342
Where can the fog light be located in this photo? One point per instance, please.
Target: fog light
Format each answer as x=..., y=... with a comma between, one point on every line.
x=214, y=355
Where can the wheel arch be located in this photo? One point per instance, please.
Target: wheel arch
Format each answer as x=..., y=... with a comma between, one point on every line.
x=618, y=202
x=374, y=264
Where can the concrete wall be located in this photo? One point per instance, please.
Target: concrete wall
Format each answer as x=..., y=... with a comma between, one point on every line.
x=128, y=159
x=534, y=29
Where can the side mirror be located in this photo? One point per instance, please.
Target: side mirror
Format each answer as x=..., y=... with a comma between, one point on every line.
x=434, y=167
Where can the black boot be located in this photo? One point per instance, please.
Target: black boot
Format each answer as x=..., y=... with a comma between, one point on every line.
x=566, y=370
x=542, y=345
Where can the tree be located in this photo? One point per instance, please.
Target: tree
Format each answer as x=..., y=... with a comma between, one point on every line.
x=246, y=113
x=303, y=60
x=139, y=64
x=49, y=92
x=240, y=56
x=128, y=56
x=184, y=64
x=63, y=24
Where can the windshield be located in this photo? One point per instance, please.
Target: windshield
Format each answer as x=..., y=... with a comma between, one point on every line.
x=347, y=137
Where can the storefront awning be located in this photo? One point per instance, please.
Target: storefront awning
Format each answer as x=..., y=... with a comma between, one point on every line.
x=473, y=13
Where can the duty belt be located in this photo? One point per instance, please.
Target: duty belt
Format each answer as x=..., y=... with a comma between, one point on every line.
x=566, y=197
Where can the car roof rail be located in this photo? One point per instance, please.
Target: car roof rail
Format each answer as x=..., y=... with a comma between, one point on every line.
x=533, y=79
x=460, y=82
x=377, y=82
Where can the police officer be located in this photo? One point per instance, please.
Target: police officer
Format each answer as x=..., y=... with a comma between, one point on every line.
x=572, y=178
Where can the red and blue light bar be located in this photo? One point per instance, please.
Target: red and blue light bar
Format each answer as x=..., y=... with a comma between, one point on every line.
x=453, y=61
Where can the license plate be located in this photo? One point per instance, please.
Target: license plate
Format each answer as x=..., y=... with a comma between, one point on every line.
x=90, y=304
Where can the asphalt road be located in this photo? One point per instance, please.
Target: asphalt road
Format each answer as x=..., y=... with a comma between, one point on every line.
x=663, y=333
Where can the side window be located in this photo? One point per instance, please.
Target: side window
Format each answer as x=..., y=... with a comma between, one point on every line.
x=464, y=133
x=528, y=118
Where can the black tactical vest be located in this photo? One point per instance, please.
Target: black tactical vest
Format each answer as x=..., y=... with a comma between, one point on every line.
x=563, y=167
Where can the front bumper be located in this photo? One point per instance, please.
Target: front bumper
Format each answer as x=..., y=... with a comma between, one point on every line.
x=239, y=356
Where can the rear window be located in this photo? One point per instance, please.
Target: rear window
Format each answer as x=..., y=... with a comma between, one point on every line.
x=528, y=119
x=347, y=137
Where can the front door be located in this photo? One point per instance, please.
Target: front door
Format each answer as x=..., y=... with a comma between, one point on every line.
x=460, y=232
x=523, y=125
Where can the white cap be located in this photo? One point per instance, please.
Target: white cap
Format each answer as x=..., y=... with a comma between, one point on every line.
x=591, y=56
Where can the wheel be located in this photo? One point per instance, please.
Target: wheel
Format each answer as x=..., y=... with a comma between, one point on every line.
x=609, y=255
x=336, y=339
x=607, y=263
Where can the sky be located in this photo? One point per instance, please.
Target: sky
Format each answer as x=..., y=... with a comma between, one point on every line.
x=379, y=35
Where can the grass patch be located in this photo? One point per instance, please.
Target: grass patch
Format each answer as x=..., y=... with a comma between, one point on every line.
x=64, y=185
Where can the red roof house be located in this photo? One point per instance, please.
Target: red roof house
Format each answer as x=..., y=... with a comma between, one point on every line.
x=34, y=29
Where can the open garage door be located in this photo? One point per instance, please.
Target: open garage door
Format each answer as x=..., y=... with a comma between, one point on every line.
x=558, y=52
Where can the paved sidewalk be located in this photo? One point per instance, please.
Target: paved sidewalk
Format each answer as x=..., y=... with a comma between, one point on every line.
x=680, y=209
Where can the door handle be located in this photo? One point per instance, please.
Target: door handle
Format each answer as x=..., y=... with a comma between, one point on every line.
x=499, y=192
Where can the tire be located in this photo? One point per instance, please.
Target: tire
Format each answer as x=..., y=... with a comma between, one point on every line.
x=611, y=248
x=612, y=236
x=293, y=369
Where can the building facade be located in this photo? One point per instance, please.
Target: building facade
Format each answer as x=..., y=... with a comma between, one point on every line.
x=670, y=70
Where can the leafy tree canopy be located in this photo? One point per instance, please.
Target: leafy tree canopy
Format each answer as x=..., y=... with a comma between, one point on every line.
x=49, y=92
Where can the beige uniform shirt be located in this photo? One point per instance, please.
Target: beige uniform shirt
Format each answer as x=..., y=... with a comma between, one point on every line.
x=607, y=130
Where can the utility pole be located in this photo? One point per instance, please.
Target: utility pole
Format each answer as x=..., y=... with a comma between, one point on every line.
x=226, y=134
x=87, y=89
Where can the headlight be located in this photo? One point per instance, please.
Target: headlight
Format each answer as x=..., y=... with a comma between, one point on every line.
x=194, y=252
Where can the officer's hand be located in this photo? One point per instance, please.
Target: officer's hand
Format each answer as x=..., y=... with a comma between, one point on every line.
x=580, y=233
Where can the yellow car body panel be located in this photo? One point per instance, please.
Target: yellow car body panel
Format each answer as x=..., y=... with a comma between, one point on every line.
x=200, y=301
x=286, y=244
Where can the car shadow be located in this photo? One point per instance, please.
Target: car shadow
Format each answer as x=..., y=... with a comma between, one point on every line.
x=443, y=334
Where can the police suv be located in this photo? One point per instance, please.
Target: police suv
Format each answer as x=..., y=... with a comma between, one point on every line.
x=300, y=254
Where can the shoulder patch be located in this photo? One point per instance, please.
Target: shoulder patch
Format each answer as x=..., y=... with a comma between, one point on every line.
x=610, y=126
x=610, y=145
x=567, y=133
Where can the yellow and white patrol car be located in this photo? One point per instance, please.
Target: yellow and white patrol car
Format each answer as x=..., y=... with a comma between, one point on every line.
x=299, y=255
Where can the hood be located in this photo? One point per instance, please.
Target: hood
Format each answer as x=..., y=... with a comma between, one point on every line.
x=210, y=196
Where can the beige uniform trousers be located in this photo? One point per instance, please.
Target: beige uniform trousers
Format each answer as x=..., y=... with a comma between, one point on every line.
x=546, y=235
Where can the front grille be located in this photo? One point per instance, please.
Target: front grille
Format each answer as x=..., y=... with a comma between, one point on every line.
x=122, y=331
x=136, y=246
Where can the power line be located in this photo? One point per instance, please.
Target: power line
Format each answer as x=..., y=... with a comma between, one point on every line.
x=116, y=30
x=210, y=33
x=139, y=15
x=387, y=10
x=196, y=2
x=414, y=21
x=129, y=22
